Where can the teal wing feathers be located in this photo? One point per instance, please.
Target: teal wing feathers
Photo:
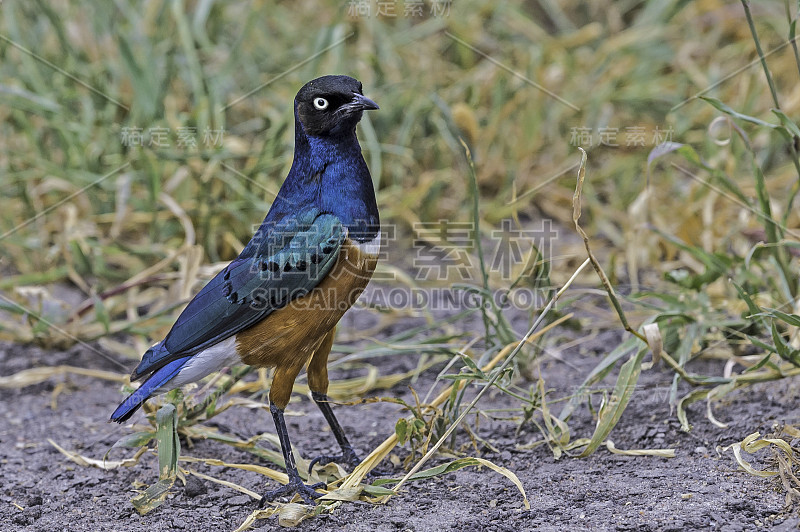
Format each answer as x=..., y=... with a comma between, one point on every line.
x=285, y=263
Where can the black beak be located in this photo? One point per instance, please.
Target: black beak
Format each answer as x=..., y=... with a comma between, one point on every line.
x=360, y=101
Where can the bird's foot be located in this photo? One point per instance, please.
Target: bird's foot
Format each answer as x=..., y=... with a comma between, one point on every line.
x=296, y=485
x=348, y=458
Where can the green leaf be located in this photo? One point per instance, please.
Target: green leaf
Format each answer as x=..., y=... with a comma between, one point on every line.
x=763, y=345
x=790, y=319
x=691, y=397
x=401, y=429
x=612, y=411
x=751, y=306
x=730, y=112
x=169, y=449
x=716, y=265
x=137, y=439
x=785, y=351
x=761, y=363
x=598, y=373
x=143, y=81
x=378, y=491
x=472, y=365
x=101, y=312
x=790, y=126
x=211, y=408
x=82, y=264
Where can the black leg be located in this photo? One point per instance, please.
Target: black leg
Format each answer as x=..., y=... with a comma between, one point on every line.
x=348, y=455
x=295, y=484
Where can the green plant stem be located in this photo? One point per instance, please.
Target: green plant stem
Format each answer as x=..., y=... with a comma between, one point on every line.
x=495, y=375
x=576, y=214
x=502, y=328
x=237, y=374
x=793, y=29
x=770, y=82
x=763, y=196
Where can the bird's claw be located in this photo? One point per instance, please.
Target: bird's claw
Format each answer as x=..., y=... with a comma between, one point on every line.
x=348, y=458
x=306, y=492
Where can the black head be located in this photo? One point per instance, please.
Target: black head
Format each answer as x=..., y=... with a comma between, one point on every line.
x=331, y=105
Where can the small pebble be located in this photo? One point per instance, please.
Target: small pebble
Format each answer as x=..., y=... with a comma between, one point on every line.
x=195, y=487
x=700, y=450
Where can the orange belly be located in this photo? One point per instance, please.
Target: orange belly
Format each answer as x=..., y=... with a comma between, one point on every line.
x=289, y=336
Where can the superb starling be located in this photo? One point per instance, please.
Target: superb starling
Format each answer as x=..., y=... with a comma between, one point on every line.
x=277, y=304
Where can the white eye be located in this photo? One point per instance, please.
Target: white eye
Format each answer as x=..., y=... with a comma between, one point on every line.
x=320, y=103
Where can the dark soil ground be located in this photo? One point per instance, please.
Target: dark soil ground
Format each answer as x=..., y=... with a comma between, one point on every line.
x=699, y=489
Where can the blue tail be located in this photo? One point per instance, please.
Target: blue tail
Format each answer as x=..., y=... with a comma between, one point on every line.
x=153, y=382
